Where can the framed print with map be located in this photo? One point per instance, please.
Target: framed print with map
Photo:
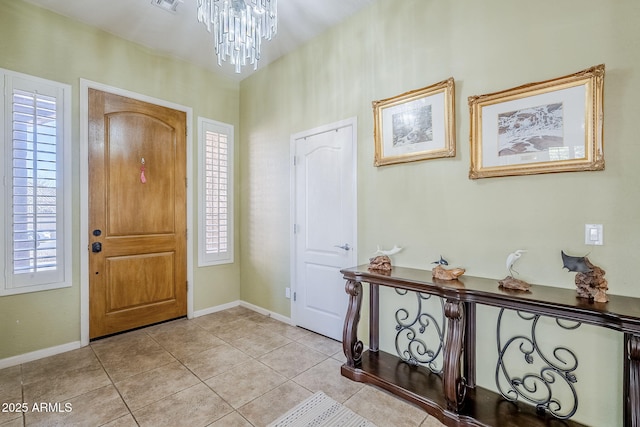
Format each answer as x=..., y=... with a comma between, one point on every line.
x=416, y=125
x=544, y=127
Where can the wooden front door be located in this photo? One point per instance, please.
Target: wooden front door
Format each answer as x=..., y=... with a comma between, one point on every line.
x=137, y=213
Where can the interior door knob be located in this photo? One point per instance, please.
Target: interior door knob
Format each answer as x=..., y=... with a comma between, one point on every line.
x=346, y=246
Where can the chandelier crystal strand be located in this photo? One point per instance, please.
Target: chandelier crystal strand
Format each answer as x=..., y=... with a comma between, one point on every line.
x=239, y=27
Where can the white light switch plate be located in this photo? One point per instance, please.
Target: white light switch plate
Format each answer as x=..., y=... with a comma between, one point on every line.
x=593, y=234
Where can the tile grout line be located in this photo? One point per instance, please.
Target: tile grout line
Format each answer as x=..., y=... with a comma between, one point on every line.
x=115, y=387
x=258, y=323
x=203, y=381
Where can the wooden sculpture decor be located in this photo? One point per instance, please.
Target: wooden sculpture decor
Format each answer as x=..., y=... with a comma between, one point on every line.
x=380, y=263
x=439, y=272
x=511, y=282
x=381, y=260
x=590, y=281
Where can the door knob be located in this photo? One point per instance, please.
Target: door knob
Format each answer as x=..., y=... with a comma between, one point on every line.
x=96, y=247
x=345, y=247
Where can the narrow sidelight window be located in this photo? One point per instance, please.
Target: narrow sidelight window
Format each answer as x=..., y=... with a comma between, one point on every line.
x=215, y=192
x=36, y=210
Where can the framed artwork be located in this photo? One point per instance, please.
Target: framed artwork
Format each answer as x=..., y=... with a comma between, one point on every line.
x=416, y=125
x=550, y=126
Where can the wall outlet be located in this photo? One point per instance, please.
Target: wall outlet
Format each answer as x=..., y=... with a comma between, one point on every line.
x=593, y=234
x=287, y=292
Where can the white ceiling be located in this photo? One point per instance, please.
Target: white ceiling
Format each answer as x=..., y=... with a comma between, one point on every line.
x=181, y=35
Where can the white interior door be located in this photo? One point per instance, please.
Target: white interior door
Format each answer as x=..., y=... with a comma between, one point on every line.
x=324, y=229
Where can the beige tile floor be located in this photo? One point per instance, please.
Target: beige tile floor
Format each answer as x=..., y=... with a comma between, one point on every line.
x=231, y=368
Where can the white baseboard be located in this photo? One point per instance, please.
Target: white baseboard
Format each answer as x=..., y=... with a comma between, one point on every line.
x=52, y=351
x=215, y=309
x=244, y=304
x=38, y=354
x=266, y=312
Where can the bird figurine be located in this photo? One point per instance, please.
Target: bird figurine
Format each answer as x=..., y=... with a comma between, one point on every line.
x=391, y=251
x=512, y=258
x=510, y=282
x=441, y=261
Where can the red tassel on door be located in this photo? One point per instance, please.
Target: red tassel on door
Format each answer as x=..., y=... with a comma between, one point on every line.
x=143, y=179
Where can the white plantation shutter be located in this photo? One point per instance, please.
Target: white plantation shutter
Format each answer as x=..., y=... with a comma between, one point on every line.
x=36, y=133
x=215, y=193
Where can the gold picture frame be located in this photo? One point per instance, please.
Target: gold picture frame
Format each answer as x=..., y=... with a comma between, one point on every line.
x=416, y=125
x=545, y=127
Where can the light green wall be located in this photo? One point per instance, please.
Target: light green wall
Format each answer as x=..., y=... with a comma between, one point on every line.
x=431, y=207
x=37, y=42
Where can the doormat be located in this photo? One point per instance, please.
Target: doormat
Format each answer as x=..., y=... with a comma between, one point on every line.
x=320, y=410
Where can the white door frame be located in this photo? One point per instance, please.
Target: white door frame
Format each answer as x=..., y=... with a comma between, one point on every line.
x=85, y=85
x=353, y=122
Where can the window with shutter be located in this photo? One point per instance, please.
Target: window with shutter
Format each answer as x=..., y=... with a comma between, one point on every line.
x=215, y=190
x=35, y=128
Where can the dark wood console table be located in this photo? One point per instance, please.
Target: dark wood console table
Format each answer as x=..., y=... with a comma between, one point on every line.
x=452, y=395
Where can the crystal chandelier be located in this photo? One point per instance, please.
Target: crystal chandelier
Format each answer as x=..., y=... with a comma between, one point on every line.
x=238, y=27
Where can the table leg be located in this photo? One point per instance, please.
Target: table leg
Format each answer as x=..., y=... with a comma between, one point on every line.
x=632, y=380
x=351, y=346
x=374, y=317
x=469, y=367
x=453, y=381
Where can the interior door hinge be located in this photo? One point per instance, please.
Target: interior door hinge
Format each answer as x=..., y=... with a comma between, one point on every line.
x=294, y=296
x=295, y=162
x=187, y=283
